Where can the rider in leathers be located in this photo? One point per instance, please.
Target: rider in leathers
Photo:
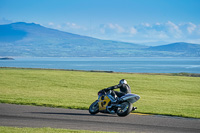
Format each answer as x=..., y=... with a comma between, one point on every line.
x=124, y=88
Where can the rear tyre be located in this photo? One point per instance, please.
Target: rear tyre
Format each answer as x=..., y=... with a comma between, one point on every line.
x=125, y=109
x=94, y=107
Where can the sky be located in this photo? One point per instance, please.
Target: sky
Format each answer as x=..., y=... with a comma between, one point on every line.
x=149, y=22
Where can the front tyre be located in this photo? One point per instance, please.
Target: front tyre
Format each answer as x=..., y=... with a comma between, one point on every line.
x=125, y=109
x=94, y=107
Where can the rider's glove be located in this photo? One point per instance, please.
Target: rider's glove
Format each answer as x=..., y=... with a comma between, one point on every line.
x=119, y=85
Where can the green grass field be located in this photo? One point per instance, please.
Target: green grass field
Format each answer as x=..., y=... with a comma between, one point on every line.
x=160, y=94
x=44, y=130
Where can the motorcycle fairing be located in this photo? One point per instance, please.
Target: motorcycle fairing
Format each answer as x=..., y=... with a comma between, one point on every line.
x=103, y=102
x=130, y=97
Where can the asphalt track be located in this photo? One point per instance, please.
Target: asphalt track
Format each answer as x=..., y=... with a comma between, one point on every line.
x=34, y=116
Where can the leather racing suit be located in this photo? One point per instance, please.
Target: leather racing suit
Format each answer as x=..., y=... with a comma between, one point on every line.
x=124, y=89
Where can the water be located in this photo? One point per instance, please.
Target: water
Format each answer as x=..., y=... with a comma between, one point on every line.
x=130, y=64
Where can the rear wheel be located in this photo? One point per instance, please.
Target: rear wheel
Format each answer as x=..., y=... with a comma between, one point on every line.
x=94, y=107
x=125, y=109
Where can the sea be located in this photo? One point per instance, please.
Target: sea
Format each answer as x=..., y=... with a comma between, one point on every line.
x=113, y=64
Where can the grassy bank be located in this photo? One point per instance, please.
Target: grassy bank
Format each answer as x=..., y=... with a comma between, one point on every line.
x=160, y=94
x=44, y=130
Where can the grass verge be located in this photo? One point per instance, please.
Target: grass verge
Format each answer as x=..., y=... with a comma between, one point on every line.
x=44, y=130
x=160, y=94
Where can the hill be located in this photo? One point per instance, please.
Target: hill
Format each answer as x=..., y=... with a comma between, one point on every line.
x=33, y=40
x=179, y=49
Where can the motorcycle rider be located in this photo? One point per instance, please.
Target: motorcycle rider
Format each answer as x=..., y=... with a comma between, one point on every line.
x=124, y=88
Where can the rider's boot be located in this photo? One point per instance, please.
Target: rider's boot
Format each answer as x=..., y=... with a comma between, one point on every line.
x=134, y=108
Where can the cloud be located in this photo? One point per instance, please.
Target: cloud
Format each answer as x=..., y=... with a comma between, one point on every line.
x=157, y=23
x=146, y=24
x=50, y=23
x=67, y=27
x=191, y=28
x=117, y=29
x=114, y=27
x=143, y=32
x=173, y=29
x=54, y=26
x=73, y=25
x=173, y=26
x=133, y=31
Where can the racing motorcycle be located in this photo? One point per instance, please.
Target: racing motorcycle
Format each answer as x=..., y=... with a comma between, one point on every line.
x=108, y=102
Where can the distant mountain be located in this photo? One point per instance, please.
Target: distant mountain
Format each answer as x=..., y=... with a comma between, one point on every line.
x=178, y=49
x=33, y=40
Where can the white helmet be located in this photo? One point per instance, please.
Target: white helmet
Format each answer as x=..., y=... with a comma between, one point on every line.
x=122, y=81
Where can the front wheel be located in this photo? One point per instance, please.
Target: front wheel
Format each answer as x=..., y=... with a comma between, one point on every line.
x=125, y=109
x=94, y=107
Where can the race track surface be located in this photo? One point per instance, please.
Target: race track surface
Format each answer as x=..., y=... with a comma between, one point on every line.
x=33, y=116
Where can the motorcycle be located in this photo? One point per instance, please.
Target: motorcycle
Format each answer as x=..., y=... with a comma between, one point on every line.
x=108, y=102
